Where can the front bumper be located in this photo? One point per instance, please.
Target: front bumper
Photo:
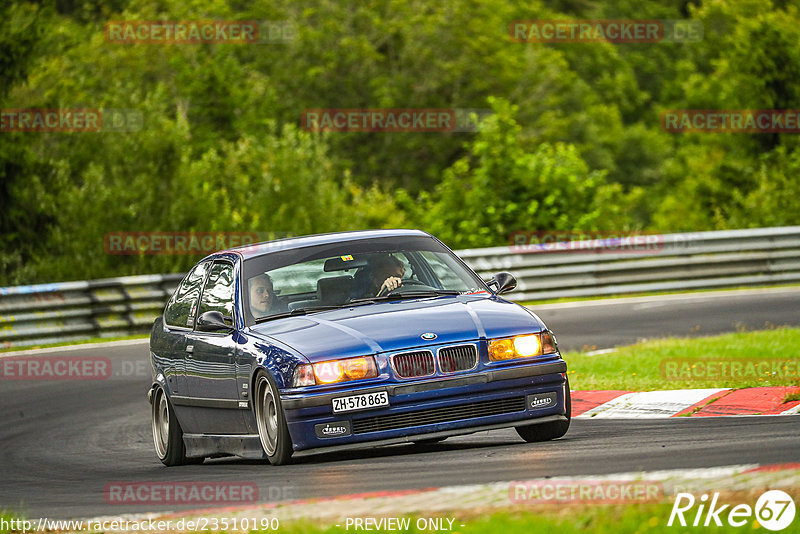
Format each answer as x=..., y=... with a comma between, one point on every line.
x=509, y=396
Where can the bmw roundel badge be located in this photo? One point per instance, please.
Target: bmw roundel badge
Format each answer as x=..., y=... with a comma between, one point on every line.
x=428, y=336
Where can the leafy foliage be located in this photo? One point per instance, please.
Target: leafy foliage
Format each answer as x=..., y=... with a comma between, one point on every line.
x=575, y=141
x=500, y=187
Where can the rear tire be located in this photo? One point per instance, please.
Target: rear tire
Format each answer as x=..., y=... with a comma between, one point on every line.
x=167, y=432
x=548, y=431
x=272, y=428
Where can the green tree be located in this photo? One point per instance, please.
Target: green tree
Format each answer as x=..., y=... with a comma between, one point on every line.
x=501, y=187
x=25, y=214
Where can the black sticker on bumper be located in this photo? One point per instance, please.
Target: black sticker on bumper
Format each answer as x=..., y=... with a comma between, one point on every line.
x=541, y=401
x=333, y=430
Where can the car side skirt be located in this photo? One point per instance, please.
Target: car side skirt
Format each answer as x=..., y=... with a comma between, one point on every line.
x=212, y=446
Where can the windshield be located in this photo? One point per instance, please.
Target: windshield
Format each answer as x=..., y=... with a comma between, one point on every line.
x=335, y=275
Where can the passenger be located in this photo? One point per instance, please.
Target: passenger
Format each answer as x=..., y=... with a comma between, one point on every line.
x=262, y=295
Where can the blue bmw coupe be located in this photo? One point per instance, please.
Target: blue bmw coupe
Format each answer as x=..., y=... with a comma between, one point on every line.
x=346, y=340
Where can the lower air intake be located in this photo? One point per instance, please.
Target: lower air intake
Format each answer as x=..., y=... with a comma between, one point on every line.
x=438, y=415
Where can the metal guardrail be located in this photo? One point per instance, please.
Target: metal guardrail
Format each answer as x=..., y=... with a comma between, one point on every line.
x=700, y=260
x=70, y=311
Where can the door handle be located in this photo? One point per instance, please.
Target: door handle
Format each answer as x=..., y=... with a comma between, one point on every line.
x=190, y=349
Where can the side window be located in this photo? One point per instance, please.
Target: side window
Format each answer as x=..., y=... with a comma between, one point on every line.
x=446, y=274
x=181, y=307
x=218, y=291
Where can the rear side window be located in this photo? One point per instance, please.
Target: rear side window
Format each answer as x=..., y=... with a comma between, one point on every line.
x=218, y=291
x=181, y=307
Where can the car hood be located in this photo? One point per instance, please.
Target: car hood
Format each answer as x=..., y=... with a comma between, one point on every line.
x=392, y=326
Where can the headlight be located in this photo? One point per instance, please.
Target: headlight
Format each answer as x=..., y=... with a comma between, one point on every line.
x=527, y=345
x=334, y=371
x=521, y=346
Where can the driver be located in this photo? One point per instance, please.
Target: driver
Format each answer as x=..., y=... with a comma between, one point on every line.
x=262, y=295
x=385, y=273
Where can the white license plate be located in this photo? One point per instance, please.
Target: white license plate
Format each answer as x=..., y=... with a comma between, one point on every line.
x=360, y=402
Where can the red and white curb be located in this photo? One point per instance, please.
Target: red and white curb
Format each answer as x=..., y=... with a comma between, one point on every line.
x=459, y=503
x=683, y=403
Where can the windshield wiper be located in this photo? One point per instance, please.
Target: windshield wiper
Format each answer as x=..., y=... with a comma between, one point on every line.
x=305, y=310
x=408, y=295
x=423, y=293
x=295, y=312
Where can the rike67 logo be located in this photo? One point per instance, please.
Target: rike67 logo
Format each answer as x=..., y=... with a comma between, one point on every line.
x=774, y=510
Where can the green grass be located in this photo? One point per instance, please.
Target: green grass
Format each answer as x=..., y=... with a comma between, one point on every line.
x=567, y=519
x=5, y=520
x=638, y=519
x=574, y=519
x=651, y=294
x=643, y=367
x=76, y=342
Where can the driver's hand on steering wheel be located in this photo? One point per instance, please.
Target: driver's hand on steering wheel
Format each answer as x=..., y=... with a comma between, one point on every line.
x=390, y=284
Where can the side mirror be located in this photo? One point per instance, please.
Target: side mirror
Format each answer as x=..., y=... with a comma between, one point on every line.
x=502, y=283
x=212, y=321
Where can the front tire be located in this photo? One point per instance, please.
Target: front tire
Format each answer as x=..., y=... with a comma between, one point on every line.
x=272, y=428
x=548, y=431
x=167, y=432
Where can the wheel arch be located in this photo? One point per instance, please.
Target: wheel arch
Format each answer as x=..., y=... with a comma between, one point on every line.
x=158, y=381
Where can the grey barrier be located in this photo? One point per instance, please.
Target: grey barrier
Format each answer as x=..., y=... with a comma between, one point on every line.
x=700, y=260
x=70, y=311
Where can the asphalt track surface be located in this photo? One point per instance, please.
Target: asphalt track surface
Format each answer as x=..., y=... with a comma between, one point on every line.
x=62, y=442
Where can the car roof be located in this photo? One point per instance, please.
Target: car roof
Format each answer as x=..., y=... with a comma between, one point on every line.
x=258, y=249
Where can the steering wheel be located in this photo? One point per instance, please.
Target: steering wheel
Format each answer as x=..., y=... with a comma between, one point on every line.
x=409, y=282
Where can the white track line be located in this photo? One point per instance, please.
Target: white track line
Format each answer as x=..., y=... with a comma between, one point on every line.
x=81, y=347
x=792, y=411
x=649, y=404
x=681, y=296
